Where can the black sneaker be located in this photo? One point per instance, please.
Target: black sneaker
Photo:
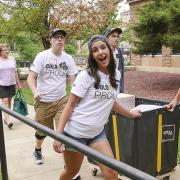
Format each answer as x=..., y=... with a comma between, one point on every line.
x=10, y=125
x=38, y=158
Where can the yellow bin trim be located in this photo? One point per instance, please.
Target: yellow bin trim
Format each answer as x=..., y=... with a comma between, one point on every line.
x=159, y=143
x=116, y=140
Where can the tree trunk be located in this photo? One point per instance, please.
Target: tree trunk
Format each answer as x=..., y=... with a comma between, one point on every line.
x=46, y=42
x=45, y=38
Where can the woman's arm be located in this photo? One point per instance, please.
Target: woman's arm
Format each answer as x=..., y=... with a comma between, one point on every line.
x=65, y=116
x=17, y=81
x=125, y=112
x=171, y=106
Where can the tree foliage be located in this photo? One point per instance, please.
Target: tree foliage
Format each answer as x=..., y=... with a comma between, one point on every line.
x=27, y=46
x=70, y=48
x=158, y=24
x=80, y=19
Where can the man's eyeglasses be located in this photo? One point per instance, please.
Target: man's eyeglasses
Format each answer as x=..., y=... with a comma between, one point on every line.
x=57, y=37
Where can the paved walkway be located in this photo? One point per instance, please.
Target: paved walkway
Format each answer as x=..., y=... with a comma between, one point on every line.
x=19, y=148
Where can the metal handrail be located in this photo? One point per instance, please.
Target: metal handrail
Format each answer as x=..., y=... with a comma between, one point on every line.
x=118, y=166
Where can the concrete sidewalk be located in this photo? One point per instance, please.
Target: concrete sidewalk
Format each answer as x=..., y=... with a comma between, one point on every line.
x=19, y=148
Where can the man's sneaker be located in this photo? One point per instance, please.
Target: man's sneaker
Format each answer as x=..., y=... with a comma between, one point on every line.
x=10, y=125
x=38, y=158
x=77, y=177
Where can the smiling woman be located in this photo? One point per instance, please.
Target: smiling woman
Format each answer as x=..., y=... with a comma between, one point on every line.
x=92, y=97
x=101, y=55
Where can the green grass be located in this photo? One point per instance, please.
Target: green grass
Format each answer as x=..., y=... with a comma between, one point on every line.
x=28, y=96
x=68, y=89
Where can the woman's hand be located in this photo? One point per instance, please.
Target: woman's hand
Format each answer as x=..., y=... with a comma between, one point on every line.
x=171, y=106
x=58, y=146
x=125, y=112
x=19, y=85
x=135, y=114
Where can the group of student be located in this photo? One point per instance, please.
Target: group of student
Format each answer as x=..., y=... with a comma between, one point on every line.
x=83, y=114
x=93, y=94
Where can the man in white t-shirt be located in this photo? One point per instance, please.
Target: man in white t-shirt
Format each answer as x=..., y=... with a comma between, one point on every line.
x=113, y=36
x=47, y=80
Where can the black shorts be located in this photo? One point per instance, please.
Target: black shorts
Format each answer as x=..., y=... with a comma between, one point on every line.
x=7, y=91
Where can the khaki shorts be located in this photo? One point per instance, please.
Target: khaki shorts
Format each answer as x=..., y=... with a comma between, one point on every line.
x=47, y=113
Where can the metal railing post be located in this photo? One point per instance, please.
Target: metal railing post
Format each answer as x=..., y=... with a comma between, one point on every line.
x=3, y=151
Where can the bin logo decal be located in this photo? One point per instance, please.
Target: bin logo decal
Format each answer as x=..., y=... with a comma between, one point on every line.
x=168, y=132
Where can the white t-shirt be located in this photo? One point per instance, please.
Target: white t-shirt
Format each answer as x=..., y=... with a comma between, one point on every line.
x=52, y=73
x=8, y=72
x=92, y=112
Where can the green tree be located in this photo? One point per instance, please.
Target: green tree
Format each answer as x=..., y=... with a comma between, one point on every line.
x=27, y=45
x=27, y=16
x=158, y=25
x=81, y=18
x=70, y=48
x=126, y=35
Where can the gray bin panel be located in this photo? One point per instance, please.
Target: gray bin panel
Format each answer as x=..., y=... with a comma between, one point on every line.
x=146, y=142
x=170, y=136
x=138, y=138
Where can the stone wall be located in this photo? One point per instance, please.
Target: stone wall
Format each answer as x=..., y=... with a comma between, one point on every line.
x=166, y=56
x=156, y=61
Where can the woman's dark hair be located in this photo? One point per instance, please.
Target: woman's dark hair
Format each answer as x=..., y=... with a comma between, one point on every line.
x=92, y=69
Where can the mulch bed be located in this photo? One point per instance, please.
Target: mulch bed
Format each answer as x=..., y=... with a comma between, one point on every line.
x=152, y=85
